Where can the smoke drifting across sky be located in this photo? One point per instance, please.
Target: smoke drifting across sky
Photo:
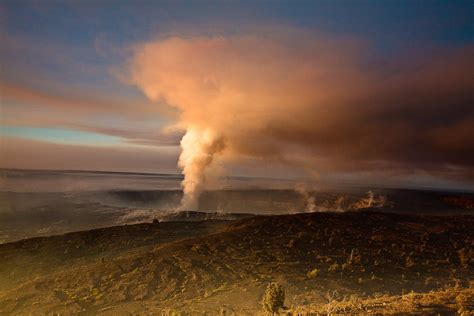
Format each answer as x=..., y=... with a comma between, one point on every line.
x=312, y=101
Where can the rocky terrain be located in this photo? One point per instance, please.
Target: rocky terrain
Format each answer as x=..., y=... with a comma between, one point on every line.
x=218, y=266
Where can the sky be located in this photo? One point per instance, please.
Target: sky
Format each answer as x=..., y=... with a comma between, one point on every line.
x=350, y=91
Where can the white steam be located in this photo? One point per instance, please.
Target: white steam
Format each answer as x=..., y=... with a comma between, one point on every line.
x=341, y=203
x=198, y=150
x=371, y=200
x=310, y=200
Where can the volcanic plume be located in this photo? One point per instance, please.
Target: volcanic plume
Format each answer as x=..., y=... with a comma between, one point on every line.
x=310, y=101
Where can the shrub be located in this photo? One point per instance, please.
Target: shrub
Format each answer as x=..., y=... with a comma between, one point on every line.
x=409, y=262
x=345, y=266
x=313, y=273
x=463, y=257
x=354, y=257
x=274, y=298
x=334, y=267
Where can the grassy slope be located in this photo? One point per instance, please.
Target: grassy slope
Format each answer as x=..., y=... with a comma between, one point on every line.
x=310, y=254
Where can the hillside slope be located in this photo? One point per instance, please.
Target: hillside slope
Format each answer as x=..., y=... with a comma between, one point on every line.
x=228, y=265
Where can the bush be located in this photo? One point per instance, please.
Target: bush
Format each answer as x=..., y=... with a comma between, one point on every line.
x=334, y=267
x=274, y=298
x=313, y=273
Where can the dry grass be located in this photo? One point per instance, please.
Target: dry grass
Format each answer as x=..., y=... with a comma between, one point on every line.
x=196, y=270
x=451, y=299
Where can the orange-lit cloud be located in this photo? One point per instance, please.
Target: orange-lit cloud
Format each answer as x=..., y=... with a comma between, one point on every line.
x=315, y=102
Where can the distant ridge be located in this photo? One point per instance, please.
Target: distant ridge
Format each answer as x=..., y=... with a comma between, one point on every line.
x=191, y=216
x=176, y=175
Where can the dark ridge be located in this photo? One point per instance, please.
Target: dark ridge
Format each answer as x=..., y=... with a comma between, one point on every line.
x=46, y=171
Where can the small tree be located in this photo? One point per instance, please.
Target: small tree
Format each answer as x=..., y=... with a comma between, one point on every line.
x=274, y=298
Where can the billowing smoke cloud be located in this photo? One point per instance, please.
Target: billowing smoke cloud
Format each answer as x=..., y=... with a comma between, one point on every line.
x=313, y=102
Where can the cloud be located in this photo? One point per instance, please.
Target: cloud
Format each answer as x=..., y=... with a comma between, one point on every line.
x=24, y=153
x=135, y=122
x=317, y=102
x=78, y=104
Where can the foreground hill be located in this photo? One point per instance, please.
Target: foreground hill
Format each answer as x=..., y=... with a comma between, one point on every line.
x=215, y=266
